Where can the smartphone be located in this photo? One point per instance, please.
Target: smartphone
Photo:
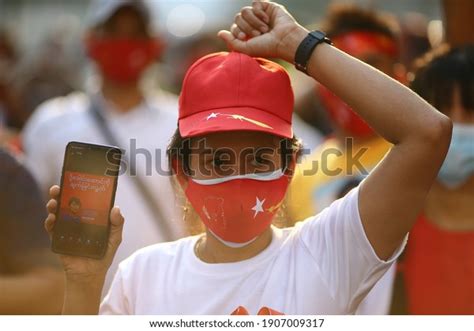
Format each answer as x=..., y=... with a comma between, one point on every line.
x=88, y=184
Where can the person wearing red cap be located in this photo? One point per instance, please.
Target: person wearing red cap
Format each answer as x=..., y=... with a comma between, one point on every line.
x=233, y=124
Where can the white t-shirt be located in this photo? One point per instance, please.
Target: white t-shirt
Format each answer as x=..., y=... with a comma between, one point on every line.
x=324, y=265
x=379, y=299
x=151, y=125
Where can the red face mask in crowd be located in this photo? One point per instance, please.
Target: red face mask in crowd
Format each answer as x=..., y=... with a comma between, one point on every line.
x=237, y=209
x=356, y=44
x=123, y=60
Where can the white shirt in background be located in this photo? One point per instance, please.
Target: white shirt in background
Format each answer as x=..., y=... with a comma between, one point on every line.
x=151, y=124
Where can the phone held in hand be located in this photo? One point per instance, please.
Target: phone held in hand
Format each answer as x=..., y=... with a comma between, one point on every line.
x=88, y=184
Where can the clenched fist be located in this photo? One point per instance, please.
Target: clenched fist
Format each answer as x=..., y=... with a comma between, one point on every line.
x=265, y=29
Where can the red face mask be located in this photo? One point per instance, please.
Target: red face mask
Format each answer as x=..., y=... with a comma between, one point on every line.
x=123, y=59
x=237, y=209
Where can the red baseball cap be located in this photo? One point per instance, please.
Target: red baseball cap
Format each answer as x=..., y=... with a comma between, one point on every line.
x=233, y=91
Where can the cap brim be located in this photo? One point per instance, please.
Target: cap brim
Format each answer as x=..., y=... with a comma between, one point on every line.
x=234, y=119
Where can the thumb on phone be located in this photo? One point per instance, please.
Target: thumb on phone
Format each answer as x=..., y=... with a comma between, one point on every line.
x=115, y=234
x=116, y=228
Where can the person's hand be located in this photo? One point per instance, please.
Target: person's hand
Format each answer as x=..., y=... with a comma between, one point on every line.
x=85, y=269
x=265, y=29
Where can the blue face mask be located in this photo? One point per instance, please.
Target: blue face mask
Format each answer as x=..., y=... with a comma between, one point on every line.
x=459, y=163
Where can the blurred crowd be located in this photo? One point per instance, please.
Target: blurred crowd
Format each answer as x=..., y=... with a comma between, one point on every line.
x=123, y=67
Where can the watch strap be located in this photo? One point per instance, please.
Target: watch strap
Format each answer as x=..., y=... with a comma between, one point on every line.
x=306, y=48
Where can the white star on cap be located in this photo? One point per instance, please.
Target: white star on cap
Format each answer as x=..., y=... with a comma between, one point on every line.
x=212, y=115
x=258, y=206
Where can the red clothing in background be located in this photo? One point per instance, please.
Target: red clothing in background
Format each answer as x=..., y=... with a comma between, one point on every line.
x=439, y=270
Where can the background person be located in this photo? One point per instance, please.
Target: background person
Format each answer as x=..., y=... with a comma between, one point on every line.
x=120, y=41
x=12, y=112
x=31, y=280
x=438, y=265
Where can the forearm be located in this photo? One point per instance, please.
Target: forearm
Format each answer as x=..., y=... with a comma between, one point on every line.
x=394, y=111
x=393, y=194
x=39, y=291
x=82, y=297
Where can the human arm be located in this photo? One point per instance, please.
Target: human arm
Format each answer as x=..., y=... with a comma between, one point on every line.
x=393, y=194
x=85, y=276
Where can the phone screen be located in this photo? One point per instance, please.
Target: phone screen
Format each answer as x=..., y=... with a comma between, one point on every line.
x=88, y=185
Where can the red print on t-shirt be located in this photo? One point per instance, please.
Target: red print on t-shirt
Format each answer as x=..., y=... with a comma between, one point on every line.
x=263, y=311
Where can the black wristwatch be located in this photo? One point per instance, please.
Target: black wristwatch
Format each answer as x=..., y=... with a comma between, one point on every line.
x=306, y=48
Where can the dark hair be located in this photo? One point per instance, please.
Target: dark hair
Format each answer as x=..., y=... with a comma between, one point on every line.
x=440, y=72
x=143, y=18
x=74, y=200
x=343, y=18
x=179, y=148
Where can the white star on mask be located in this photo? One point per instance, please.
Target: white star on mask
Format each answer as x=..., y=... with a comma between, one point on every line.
x=212, y=115
x=258, y=206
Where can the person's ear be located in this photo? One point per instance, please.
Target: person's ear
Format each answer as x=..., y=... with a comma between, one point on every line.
x=290, y=169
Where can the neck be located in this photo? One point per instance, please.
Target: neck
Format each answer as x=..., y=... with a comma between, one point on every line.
x=210, y=250
x=451, y=209
x=465, y=190
x=124, y=97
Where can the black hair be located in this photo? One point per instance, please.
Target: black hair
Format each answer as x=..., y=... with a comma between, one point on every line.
x=143, y=19
x=74, y=200
x=343, y=18
x=179, y=148
x=440, y=72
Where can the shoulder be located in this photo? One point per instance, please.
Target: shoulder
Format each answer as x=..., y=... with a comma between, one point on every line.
x=55, y=122
x=8, y=163
x=18, y=184
x=60, y=108
x=18, y=218
x=52, y=118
